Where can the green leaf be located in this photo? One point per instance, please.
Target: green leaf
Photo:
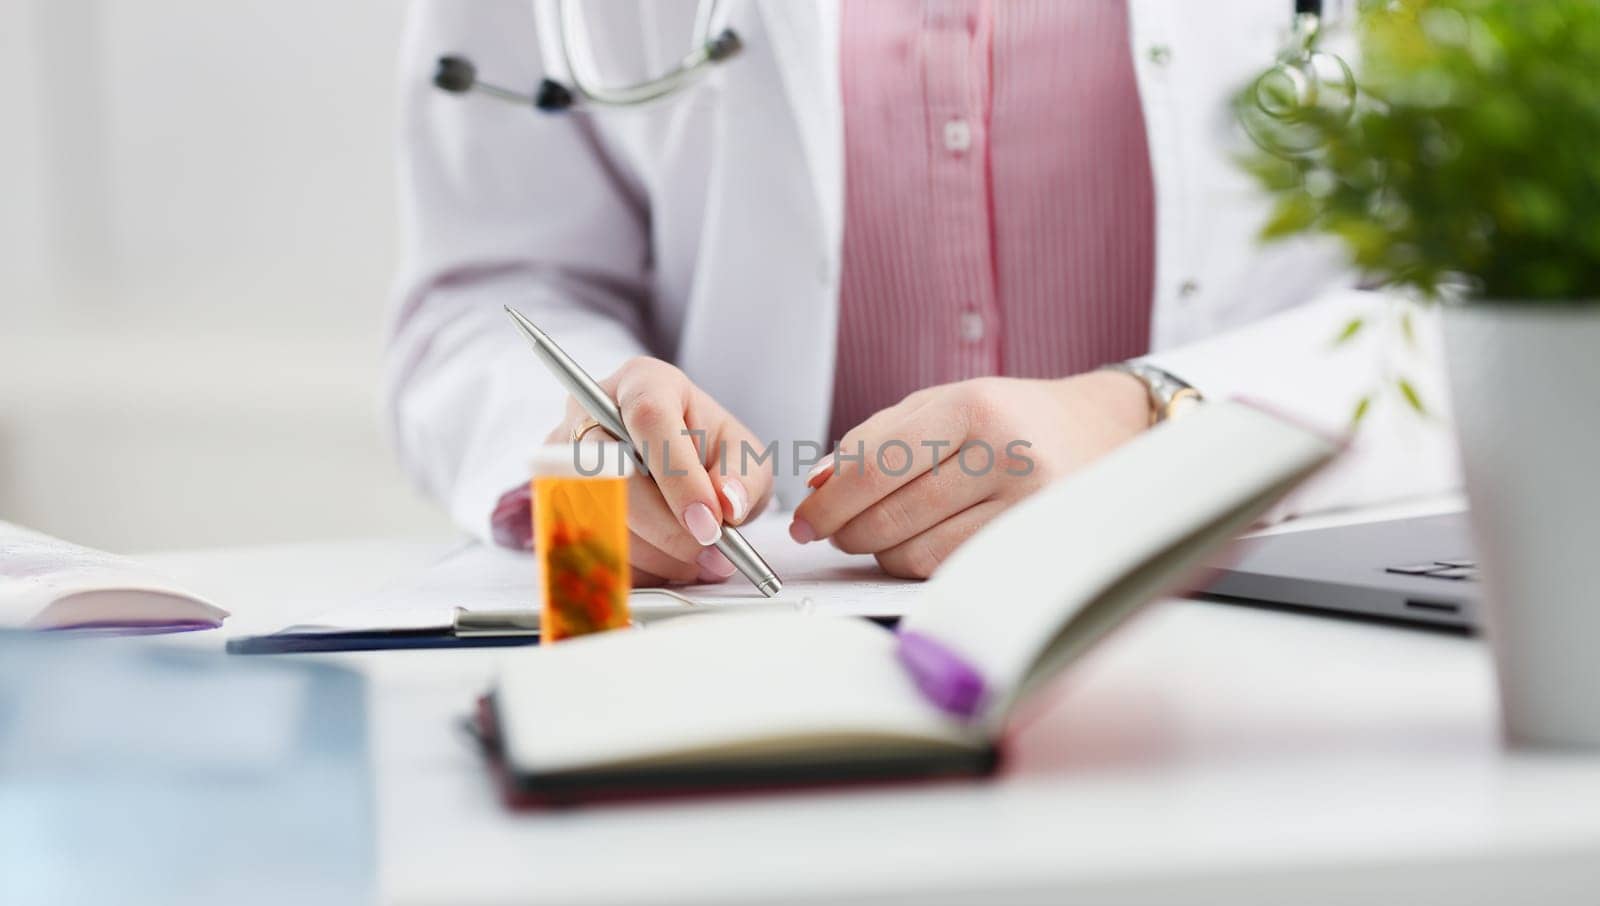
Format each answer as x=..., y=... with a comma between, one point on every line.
x=1470, y=152
x=1363, y=406
x=1408, y=329
x=1273, y=173
x=1408, y=391
x=1351, y=328
x=1295, y=213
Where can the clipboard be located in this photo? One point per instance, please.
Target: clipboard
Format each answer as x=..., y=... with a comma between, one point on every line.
x=467, y=629
x=477, y=628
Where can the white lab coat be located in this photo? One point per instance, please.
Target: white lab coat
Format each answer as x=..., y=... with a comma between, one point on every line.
x=707, y=231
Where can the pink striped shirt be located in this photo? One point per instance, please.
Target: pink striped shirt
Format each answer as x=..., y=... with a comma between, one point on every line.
x=999, y=207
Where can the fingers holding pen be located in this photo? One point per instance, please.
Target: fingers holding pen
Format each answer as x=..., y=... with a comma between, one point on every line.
x=677, y=511
x=654, y=398
x=733, y=459
x=651, y=518
x=653, y=566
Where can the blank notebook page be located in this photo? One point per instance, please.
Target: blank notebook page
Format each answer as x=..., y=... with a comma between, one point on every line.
x=709, y=685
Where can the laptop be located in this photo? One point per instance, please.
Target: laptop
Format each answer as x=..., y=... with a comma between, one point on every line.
x=1419, y=569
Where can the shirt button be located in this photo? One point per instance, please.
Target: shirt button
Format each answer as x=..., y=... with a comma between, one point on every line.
x=957, y=135
x=1188, y=289
x=1160, y=54
x=972, y=329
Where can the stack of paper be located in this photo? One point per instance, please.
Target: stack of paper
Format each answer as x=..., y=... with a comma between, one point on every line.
x=46, y=583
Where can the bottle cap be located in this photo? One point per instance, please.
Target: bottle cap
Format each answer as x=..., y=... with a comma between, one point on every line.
x=584, y=459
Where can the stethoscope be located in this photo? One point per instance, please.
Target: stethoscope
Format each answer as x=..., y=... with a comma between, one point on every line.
x=1304, y=81
x=571, y=50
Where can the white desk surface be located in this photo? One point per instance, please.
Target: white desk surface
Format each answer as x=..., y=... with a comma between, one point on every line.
x=1209, y=753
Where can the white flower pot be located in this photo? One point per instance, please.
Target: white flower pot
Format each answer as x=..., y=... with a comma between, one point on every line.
x=1525, y=384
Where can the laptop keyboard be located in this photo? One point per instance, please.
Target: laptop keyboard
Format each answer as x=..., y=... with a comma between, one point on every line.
x=1456, y=570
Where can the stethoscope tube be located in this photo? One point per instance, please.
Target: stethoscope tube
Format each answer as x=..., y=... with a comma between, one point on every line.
x=457, y=74
x=1302, y=80
x=707, y=51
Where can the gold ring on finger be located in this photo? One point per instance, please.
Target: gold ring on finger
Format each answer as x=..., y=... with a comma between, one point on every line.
x=582, y=428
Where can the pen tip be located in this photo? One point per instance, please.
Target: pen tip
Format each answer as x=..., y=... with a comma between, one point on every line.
x=521, y=320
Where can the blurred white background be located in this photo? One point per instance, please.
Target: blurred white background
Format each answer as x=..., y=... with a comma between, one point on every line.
x=197, y=231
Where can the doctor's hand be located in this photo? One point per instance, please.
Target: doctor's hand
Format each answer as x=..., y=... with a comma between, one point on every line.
x=935, y=468
x=675, y=514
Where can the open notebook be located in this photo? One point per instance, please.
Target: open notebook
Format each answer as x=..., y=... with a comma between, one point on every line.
x=779, y=699
x=46, y=583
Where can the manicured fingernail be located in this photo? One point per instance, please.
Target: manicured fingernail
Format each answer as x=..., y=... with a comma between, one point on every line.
x=738, y=498
x=802, y=532
x=702, y=525
x=819, y=472
x=512, y=520
x=713, y=565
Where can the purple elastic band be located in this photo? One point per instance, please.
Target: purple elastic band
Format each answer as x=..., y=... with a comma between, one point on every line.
x=115, y=628
x=946, y=680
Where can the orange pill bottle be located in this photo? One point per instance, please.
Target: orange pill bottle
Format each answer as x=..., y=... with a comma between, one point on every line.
x=580, y=538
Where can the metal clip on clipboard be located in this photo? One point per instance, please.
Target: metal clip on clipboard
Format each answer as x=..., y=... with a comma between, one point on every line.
x=467, y=629
x=495, y=624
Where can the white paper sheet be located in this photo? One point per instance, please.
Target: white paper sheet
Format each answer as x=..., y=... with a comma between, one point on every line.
x=816, y=578
x=47, y=583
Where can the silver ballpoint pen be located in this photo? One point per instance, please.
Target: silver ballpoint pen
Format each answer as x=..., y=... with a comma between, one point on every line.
x=604, y=410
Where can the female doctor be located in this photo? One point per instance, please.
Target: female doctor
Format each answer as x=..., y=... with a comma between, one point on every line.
x=930, y=221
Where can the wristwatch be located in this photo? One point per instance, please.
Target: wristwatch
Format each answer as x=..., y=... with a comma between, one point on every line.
x=1170, y=396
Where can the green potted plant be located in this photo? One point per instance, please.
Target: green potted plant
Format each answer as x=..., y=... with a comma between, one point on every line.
x=1467, y=172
